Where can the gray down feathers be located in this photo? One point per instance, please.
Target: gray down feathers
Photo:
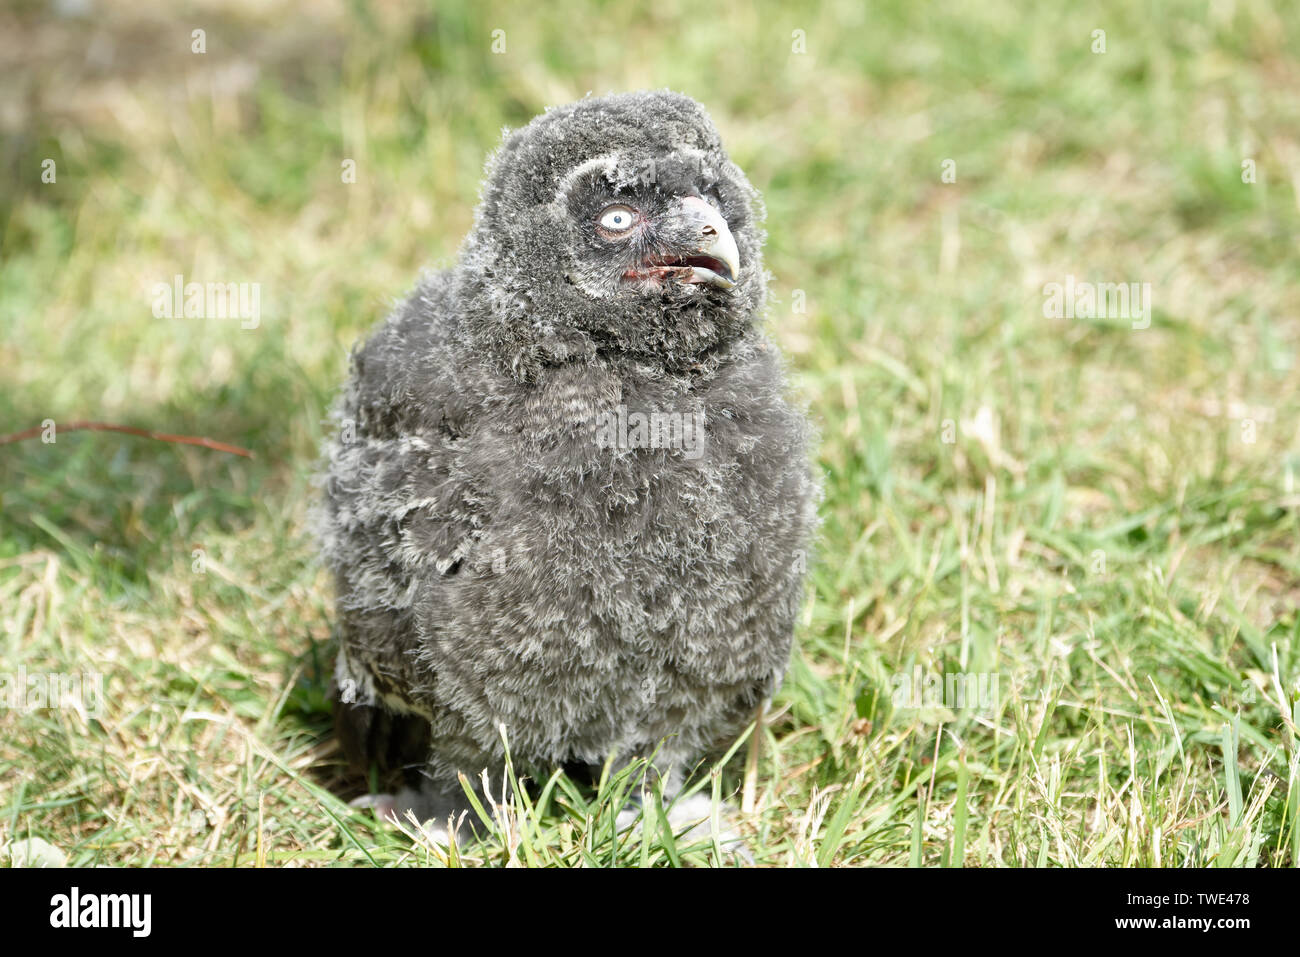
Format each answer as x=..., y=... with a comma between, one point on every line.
x=497, y=563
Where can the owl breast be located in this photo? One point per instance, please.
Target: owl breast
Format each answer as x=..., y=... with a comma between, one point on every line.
x=637, y=577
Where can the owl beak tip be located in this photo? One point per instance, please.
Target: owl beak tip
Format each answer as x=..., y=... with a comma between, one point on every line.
x=715, y=243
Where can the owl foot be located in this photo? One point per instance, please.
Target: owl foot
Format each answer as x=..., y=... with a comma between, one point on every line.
x=691, y=818
x=432, y=811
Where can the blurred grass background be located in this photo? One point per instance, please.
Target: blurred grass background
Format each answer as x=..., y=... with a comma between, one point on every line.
x=1111, y=529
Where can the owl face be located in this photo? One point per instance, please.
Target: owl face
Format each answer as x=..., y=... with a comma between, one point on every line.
x=656, y=225
x=622, y=219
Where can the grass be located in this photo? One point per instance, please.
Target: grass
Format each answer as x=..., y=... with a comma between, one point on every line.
x=1102, y=517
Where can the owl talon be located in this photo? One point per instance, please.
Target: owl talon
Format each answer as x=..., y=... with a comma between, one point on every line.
x=384, y=805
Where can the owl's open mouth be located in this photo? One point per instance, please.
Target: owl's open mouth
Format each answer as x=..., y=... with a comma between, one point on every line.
x=689, y=269
x=696, y=247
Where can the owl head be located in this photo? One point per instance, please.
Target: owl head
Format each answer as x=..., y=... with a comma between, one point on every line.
x=614, y=223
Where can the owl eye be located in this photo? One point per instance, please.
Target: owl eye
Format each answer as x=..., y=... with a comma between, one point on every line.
x=617, y=219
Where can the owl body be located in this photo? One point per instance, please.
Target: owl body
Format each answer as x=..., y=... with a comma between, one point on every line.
x=564, y=513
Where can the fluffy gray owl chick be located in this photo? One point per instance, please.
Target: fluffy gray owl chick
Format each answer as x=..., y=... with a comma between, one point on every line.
x=568, y=495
